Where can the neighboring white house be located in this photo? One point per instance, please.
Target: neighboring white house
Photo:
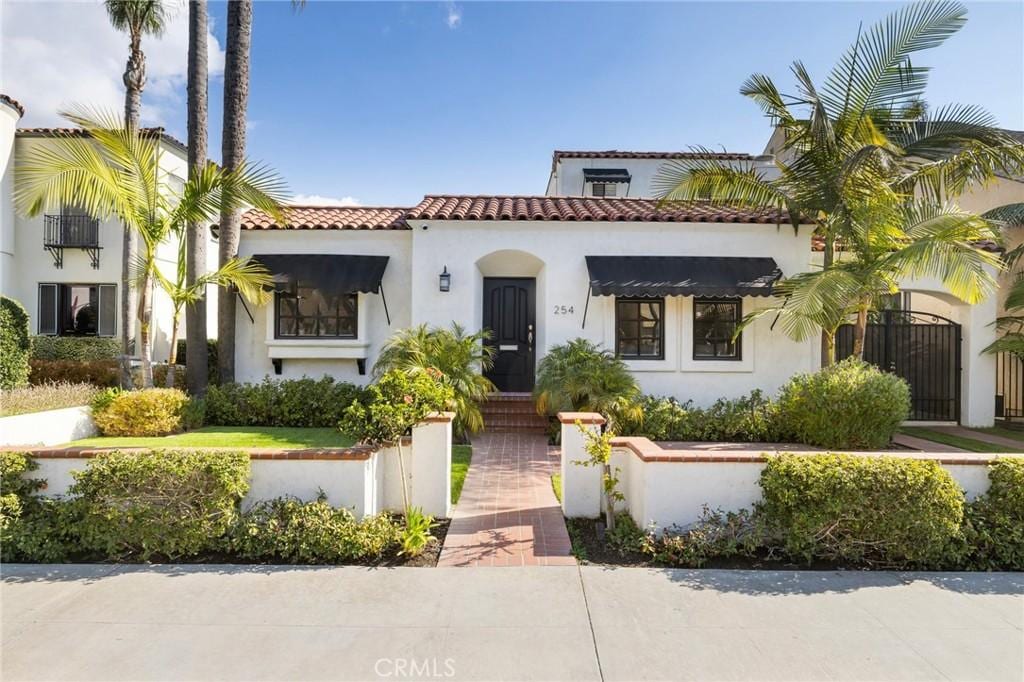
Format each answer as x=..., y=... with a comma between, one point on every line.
x=65, y=266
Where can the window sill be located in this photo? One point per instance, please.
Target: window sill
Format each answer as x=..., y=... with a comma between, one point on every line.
x=344, y=349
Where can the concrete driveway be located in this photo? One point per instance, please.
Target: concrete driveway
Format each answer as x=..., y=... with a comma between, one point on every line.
x=545, y=623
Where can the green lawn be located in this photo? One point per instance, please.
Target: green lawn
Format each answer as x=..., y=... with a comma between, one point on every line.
x=957, y=441
x=1004, y=432
x=461, y=455
x=233, y=437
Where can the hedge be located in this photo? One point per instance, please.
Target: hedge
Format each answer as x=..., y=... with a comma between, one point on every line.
x=994, y=524
x=292, y=402
x=149, y=412
x=883, y=511
x=14, y=344
x=751, y=418
x=102, y=373
x=166, y=504
x=80, y=348
x=851, y=404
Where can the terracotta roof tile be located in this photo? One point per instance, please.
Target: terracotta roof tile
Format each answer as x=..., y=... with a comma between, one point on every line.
x=6, y=99
x=79, y=132
x=617, y=154
x=587, y=209
x=330, y=218
x=818, y=244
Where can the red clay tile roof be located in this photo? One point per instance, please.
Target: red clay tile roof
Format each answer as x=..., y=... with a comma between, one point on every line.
x=330, y=218
x=818, y=244
x=589, y=209
x=13, y=102
x=618, y=154
x=79, y=132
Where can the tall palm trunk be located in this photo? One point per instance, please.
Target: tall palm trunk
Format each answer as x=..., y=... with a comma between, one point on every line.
x=196, y=361
x=236, y=97
x=146, y=327
x=172, y=355
x=134, y=81
x=860, y=329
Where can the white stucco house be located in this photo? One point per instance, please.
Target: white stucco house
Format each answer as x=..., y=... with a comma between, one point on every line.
x=596, y=258
x=65, y=266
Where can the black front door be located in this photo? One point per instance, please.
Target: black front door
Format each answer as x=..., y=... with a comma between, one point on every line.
x=510, y=315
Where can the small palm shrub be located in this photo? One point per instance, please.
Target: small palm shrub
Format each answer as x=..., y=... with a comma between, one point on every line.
x=851, y=404
x=290, y=530
x=880, y=511
x=158, y=503
x=461, y=358
x=580, y=376
x=150, y=412
x=14, y=344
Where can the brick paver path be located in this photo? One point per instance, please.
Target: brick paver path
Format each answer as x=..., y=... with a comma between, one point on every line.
x=507, y=514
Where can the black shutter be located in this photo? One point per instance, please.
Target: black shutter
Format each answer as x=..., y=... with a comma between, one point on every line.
x=108, y=310
x=47, y=322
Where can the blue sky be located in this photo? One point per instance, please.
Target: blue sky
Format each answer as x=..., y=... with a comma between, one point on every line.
x=387, y=101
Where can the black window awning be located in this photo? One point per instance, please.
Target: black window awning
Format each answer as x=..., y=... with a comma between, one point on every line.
x=606, y=175
x=681, y=276
x=335, y=274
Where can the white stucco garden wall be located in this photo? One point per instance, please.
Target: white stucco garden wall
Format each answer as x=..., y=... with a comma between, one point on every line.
x=50, y=427
x=9, y=117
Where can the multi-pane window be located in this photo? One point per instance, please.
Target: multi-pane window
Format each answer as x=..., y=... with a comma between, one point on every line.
x=77, y=309
x=303, y=311
x=604, y=189
x=640, y=328
x=714, y=324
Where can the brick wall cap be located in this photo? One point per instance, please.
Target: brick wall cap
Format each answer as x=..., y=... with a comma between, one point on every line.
x=582, y=417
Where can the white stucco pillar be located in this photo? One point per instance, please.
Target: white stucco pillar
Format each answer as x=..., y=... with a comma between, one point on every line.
x=10, y=113
x=978, y=378
x=431, y=465
x=581, y=485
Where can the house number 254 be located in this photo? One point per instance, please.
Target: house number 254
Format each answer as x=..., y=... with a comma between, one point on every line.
x=564, y=310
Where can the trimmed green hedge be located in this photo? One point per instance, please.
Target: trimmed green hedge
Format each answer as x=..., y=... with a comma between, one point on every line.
x=751, y=418
x=884, y=511
x=159, y=504
x=14, y=344
x=293, y=402
x=80, y=348
x=149, y=412
x=851, y=404
x=994, y=524
x=289, y=530
x=102, y=373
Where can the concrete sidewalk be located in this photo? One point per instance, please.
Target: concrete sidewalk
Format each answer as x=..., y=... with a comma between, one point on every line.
x=544, y=623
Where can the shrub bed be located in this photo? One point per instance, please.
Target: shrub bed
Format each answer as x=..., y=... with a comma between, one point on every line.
x=52, y=396
x=176, y=505
x=289, y=530
x=751, y=418
x=150, y=412
x=79, y=348
x=292, y=402
x=14, y=344
x=994, y=523
x=101, y=373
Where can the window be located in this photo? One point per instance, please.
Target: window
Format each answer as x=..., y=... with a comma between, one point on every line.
x=604, y=189
x=714, y=323
x=307, y=312
x=640, y=328
x=77, y=309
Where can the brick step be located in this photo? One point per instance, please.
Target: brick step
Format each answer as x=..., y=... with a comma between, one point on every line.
x=515, y=429
x=528, y=412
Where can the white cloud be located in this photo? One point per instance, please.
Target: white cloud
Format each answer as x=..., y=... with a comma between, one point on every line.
x=453, y=15
x=319, y=200
x=56, y=54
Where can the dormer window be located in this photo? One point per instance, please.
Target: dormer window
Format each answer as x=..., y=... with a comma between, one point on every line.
x=606, y=182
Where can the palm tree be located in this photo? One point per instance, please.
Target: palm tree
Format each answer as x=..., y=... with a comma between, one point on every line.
x=580, y=376
x=866, y=140
x=461, y=358
x=196, y=360
x=137, y=18
x=236, y=98
x=116, y=171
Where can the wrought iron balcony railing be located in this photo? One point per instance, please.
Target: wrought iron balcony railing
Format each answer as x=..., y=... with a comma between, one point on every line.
x=72, y=232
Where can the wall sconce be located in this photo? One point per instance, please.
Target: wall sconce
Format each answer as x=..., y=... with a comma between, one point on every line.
x=446, y=280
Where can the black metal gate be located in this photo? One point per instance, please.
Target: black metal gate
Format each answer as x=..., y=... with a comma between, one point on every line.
x=1009, y=386
x=922, y=348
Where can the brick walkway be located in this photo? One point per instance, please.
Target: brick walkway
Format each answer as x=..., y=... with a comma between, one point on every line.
x=507, y=514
